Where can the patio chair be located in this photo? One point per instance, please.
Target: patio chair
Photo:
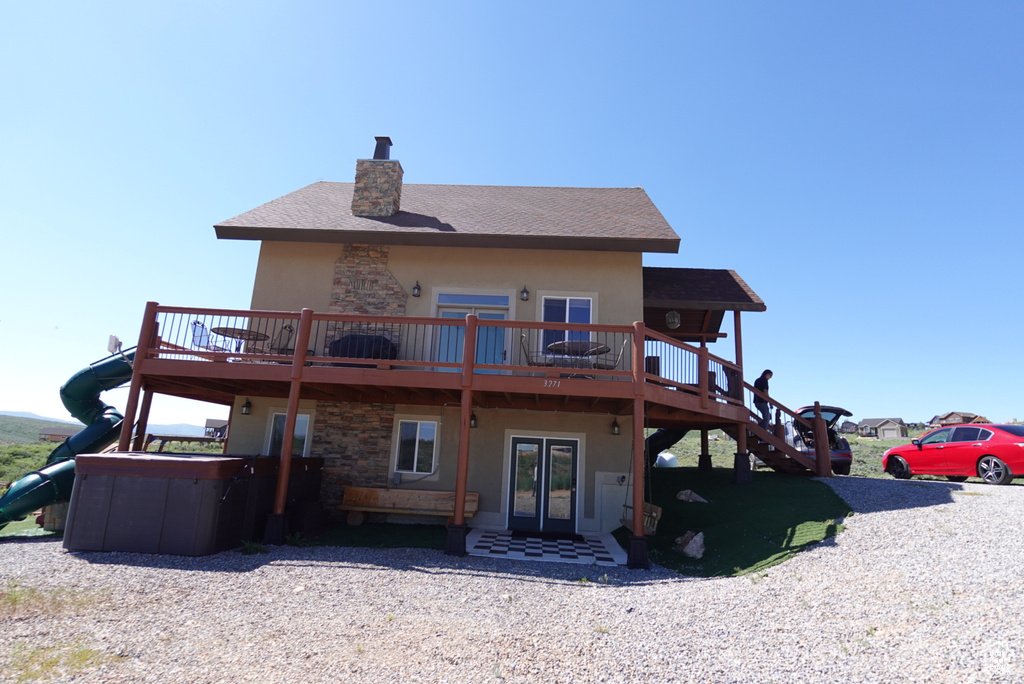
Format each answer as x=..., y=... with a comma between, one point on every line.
x=534, y=358
x=201, y=338
x=283, y=342
x=612, y=362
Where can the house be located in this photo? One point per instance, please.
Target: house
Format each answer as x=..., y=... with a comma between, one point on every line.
x=216, y=428
x=57, y=434
x=848, y=427
x=504, y=341
x=882, y=428
x=957, y=418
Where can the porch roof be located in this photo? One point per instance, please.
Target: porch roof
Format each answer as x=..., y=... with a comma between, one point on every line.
x=597, y=219
x=701, y=296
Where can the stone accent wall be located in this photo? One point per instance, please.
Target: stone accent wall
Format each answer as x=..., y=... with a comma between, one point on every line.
x=355, y=439
x=378, y=189
x=364, y=285
x=355, y=442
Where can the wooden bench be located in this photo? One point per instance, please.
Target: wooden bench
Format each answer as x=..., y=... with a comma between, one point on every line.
x=651, y=516
x=361, y=500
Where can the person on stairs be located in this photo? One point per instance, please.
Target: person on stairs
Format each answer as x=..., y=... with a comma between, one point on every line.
x=760, y=402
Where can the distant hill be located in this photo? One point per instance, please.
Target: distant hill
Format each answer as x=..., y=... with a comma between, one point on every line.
x=23, y=428
x=35, y=416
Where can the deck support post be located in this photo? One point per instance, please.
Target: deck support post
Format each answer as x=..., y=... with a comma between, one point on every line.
x=704, y=460
x=141, y=351
x=738, y=341
x=742, y=473
x=455, y=542
x=143, y=423
x=277, y=521
x=637, y=556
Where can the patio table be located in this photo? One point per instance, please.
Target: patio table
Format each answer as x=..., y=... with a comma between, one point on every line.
x=240, y=335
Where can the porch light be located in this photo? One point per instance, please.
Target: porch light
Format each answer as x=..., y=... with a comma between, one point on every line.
x=615, y=426
x=246, y=407
x=416, y=289
x=672, y=319
x=472, y=420
x=525, y=294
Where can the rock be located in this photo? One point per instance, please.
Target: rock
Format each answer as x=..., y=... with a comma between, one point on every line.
x=690, y=495
x=680, y=542
x=695, y=549
x=690, y=544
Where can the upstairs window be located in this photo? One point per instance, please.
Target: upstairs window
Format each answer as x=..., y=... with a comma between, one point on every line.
x=566, y=310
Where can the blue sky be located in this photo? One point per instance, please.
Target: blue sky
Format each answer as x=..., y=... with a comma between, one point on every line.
x=860, y=165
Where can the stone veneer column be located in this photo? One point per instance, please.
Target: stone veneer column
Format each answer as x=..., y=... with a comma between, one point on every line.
x=354, y=439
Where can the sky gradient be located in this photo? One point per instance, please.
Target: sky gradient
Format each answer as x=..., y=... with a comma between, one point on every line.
x=860, y=165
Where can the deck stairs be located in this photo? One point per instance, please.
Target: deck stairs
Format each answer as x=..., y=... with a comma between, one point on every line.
x=775, y=453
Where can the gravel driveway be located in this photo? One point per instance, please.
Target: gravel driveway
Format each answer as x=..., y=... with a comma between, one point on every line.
x=925, y=585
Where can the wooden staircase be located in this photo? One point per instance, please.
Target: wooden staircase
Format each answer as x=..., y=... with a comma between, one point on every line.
x=775, y=453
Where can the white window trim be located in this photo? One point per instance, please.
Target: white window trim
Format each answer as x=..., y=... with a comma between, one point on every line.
x=413, y=476
x=564, y=294
x=273, y=411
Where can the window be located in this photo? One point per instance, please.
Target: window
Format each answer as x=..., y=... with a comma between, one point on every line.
x=966, y=434
x=940, y=437
x=300, y=443
x=566, y=310
x=416, y=446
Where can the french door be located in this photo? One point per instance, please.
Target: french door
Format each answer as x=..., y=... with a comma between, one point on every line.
x=490, y=342
x=542, y=493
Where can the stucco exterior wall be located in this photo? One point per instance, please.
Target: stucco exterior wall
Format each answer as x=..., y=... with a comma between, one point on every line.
x=290, y=276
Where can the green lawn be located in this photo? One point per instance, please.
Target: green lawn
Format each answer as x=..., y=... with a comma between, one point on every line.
x=747, y=528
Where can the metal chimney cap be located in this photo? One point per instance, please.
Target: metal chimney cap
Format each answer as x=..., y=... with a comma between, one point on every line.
x=383, y=149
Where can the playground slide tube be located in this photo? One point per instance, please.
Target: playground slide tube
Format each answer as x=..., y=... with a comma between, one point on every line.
x=41, y=488
x=80, y=394
x=661, y=440
x=81, y=397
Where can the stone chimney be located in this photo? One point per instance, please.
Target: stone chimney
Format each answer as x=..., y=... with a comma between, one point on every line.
x=378, y=190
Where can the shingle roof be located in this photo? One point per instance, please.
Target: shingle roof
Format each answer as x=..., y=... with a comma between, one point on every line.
x=875, y=422
x=606, y=219
x=698, y=288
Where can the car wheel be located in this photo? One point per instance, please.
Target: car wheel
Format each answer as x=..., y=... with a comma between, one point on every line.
x=843, y=469
x=993, y=471
x=957, y=478
x=898, y=468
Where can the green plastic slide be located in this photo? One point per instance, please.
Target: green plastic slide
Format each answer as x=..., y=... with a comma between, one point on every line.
x=81, y=396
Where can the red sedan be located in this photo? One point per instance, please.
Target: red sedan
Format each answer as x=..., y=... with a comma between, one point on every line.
x=995, y=453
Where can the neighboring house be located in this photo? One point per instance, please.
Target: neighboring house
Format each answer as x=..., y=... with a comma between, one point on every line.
x=216, y=428
x=848, y=427
x=883, y=428
x=506, y=341
x=57, y=434
x=957, y=418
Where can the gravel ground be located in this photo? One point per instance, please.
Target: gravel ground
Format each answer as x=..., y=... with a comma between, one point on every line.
x=925, y=585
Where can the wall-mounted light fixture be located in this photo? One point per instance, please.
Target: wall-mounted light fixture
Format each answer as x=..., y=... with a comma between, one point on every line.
x=246, y=407
x=472, y=420
x=525, y=294
x=615, y=426
x=416, y=289
x=673, y=319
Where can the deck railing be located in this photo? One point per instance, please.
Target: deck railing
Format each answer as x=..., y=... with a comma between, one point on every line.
x=602, y=352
